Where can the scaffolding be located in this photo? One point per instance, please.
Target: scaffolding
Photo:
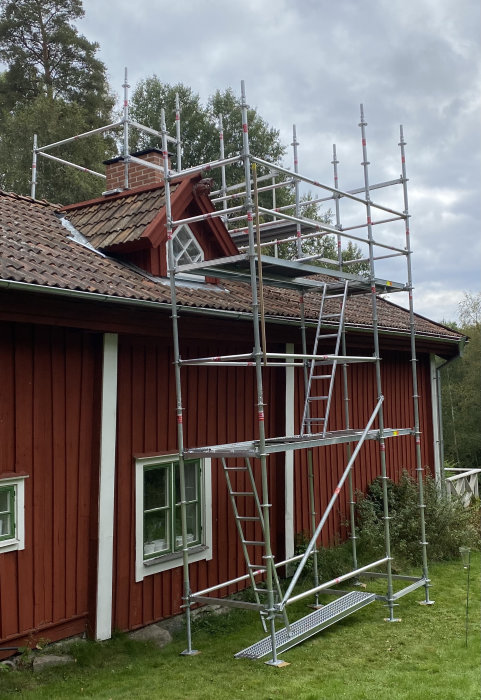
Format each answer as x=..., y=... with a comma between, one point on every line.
x=258, y=271
x=333, y=284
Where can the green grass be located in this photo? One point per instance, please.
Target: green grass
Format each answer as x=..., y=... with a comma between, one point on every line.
x=363, y=657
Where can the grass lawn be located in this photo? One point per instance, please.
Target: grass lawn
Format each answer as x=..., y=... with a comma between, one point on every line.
x=362, y=657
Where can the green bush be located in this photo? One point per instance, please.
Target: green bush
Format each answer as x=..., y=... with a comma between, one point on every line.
x=448, y=523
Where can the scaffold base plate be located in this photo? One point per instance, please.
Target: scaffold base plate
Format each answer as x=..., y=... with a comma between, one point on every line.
x=309, y=625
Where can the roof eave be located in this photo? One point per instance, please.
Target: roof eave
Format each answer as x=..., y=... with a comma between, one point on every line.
x=216, y=313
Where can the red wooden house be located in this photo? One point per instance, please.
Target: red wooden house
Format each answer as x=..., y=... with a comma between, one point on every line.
x=87, y=409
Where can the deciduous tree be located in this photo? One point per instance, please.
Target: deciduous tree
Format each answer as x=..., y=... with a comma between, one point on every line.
x=461, y=391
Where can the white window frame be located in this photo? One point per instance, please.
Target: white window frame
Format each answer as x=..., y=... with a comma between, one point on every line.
x=165, y=562
x=193, y=239
x=17, y=542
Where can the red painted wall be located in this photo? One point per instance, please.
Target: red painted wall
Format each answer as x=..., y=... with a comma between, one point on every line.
x=49, y=430
x=219, y=407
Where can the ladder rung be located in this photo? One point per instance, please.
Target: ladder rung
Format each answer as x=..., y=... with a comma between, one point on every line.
x=250, y=518
x=327, y=335
x=321, y=376
x=317, y=398
x=260, y=590
x=235, y=469
x=316, y=420
x=254, y=542
x=242, y=493
x=331, y=315
x=261, y=567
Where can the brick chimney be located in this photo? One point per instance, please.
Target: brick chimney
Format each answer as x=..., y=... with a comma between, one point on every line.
x=139, y=176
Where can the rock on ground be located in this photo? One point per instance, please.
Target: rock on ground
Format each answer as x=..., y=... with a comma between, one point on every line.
x=156, y=634
x=44, y=661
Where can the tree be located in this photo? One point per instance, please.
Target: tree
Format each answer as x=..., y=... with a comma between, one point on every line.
x=53, y=86
x=199, y=127
x=52, y=120
x=461, y=391
x=47, y=56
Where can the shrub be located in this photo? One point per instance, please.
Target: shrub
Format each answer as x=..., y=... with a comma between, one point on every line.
x=448, y=523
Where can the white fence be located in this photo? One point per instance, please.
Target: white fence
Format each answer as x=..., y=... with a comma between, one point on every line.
x=464, y=484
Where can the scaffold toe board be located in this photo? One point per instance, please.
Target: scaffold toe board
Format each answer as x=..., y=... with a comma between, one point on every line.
x=289, y=274
x=309, y=625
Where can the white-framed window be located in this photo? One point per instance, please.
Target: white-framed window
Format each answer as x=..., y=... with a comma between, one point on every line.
x=185, y=246
x=12, y=514
x=158, y=535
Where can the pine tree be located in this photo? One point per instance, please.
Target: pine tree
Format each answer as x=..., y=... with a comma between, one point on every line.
x=54, y=86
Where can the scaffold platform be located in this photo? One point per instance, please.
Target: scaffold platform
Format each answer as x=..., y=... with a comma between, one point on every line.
x=252, y=448
x=288, y=274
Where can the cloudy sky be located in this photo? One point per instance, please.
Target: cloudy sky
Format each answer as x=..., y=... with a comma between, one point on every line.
x=311, y=63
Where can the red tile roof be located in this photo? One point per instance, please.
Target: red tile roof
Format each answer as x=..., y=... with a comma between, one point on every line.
x=116, y=220
x=37, y=249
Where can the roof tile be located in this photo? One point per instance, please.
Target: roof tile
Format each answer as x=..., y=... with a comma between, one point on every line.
x=35, y=248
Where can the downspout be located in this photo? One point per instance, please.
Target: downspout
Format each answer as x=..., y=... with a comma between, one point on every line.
x=438, y=388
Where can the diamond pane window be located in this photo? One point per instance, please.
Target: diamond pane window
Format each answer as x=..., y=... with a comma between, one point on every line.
x=185, y=246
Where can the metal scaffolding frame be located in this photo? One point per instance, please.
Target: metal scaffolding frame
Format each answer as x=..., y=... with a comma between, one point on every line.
x=125, y=124
x=258, y=270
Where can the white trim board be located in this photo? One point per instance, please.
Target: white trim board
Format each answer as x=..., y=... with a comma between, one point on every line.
x=108, y=440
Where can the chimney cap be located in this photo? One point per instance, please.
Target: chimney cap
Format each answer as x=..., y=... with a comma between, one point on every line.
x=137, y=154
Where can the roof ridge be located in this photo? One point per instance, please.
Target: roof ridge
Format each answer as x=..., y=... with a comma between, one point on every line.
x=28, y=198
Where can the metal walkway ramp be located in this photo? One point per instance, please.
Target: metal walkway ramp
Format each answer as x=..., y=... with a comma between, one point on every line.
x=309, y=625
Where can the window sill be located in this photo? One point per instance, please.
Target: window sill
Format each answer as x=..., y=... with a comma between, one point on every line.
x=12, y=545
x=176, y=556
x=166, y=562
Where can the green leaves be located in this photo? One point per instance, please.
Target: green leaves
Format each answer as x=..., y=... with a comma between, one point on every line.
x=54, y=86
x=461, y=391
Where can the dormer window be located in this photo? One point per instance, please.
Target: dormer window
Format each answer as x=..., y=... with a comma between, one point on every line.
x=186, y=248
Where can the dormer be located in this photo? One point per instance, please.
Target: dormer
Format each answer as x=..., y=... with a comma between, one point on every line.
x=131, y=223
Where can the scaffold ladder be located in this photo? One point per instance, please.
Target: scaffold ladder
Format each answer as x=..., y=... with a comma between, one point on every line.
x=320, y=383
x=246, y=515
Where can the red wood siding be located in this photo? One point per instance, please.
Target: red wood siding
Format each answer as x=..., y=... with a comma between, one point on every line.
x=218, y=407
x=48, y=430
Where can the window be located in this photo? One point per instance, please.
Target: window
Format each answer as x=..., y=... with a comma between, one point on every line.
x=12, y=514
x=185, y=246
x=158, y=516
x=7, y=512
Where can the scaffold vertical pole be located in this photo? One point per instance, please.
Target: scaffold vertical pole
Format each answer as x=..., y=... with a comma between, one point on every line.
x=310, y=468
x=260, y=394
x=177, y=133
x=295, y=144
x=382, y=443
x=345, y=383
x=126, y=131
x=223, y=187
x=33, y=189
x=178, y=391
x=417, y=431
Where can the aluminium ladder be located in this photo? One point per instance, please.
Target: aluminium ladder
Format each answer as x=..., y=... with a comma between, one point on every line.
x=323, y=399
x=239, y=500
